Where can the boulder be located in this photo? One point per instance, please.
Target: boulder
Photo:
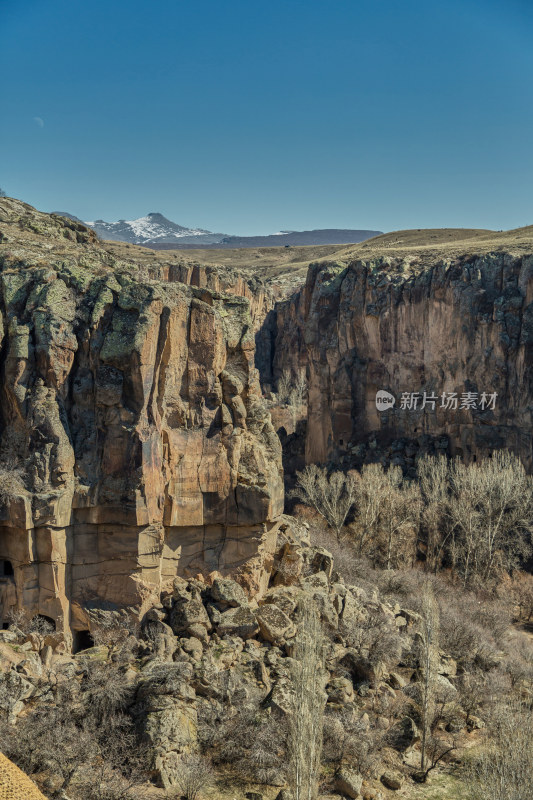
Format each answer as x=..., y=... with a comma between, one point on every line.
x=274, y=625
x=447, y=666
x=340, y=691
x=405, y=734
x=238, y=622
x=392, y=780
x=228, y=593
x=187, y=613
x=396, y=680
x=285, y=597
x=361, y=668
x=349, y=782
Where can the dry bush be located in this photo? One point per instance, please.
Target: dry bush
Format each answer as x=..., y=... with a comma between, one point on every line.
x=89, y=756
x=374, y=636
x=503, y=769
x=473, y=692
x=105, y=693
x=253, y=741
x=519, y=590
x=194, y=774
x=292, y=391
x=284, y=387
x=21, y=620
x=348, y=739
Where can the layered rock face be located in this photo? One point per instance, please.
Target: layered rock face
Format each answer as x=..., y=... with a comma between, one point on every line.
x=462, y=326
x=133, y=424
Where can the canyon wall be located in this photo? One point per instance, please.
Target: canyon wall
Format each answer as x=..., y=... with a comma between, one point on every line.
x=463, y=326
x=135, y=442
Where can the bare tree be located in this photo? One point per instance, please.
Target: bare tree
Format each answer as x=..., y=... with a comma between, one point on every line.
x=369, y=488
x=292, y=391
x=429, y=657
x=332, y=496
x=491, y=511
x=433, y=474
x=285, y=387
x=298, y=395
x=308, y=701
x=386, y=517
x=400, y=519
x=2, y=193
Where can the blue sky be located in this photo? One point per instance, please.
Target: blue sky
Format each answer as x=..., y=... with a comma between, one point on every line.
x=250, y=117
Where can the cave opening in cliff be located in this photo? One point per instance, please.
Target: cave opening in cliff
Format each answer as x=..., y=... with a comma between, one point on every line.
x=6, y=569
x=81, y=640
x=42, y=624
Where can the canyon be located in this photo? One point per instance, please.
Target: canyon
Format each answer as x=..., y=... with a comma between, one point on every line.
x=134, y=427
x=137, y=390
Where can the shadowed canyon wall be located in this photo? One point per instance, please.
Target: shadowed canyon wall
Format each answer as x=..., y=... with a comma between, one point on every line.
x=457, y=327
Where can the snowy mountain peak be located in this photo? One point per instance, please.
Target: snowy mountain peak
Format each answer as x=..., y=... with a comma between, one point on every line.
x=152, y=229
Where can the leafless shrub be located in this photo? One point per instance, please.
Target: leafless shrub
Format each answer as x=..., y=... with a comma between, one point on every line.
x=348, y=739
x=21, y=620
x=519, y=589
x=473, y=692
x=105, y=693
x=374, y=636
x=503, y=768
x=193, y=775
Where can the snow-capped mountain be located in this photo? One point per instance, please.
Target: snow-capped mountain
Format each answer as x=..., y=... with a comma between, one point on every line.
x=160, y=233
x=151, y=230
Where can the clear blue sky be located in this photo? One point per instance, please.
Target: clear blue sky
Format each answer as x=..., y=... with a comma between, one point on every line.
x=247, y=117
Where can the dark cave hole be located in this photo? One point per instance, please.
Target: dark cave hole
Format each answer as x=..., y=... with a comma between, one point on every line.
x=81, y=640
x=6, y=569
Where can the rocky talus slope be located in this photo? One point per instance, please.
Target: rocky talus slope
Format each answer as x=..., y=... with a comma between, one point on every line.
x=133, y=429
x=210, y=670
x=460, y=325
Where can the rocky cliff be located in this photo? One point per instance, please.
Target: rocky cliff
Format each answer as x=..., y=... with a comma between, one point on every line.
x=461, y=327
x=135, y=443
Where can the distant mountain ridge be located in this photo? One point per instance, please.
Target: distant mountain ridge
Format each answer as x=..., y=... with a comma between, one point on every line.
x=300, y=238
x=156, y=231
